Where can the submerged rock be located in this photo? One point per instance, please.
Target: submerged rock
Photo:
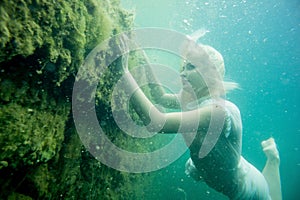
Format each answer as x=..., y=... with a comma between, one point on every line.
x=42, y=45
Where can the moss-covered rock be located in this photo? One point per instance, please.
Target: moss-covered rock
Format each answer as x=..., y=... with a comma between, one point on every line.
x=42, y=45
x=59, y=32
x=29, y=136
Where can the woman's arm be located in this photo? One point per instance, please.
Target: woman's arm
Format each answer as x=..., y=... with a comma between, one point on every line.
x=157, y=91
x=174, y=122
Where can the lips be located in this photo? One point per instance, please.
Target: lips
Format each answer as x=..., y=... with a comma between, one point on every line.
x=186, y=84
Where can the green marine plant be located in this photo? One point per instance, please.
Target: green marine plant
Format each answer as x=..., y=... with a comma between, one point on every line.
x=42, y=45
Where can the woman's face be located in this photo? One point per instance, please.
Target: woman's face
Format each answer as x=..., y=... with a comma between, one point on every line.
x=192, y=80
x=205, y=78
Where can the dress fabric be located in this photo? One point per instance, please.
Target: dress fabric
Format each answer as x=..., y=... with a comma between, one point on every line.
x=237, y=179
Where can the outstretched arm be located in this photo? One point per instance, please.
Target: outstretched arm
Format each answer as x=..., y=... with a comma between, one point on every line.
x=173, y=122
x=157, y=91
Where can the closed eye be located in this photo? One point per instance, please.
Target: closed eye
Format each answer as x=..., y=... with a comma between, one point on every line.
x=189, y=66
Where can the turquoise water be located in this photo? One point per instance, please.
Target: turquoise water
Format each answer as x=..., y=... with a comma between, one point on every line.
x=260, y=42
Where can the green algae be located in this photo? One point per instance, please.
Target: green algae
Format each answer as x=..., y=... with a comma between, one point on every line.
x=42, y=45
x=60, y=31
x=29, y=136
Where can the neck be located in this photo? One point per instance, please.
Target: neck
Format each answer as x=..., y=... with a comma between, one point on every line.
x=203, y=93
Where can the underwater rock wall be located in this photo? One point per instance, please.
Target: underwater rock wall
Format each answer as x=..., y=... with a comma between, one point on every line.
x=42, y=45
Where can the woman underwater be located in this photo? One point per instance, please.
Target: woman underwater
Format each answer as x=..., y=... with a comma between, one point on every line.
x=221, y=166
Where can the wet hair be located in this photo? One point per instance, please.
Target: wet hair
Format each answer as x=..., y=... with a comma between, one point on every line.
x=208, y=61
x=217, y=60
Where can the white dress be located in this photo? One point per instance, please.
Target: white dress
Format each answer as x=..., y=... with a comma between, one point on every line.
x=224, y=169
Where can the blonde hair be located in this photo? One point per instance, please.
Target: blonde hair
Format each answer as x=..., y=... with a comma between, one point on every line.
x=209, y=57
x=217, y=59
